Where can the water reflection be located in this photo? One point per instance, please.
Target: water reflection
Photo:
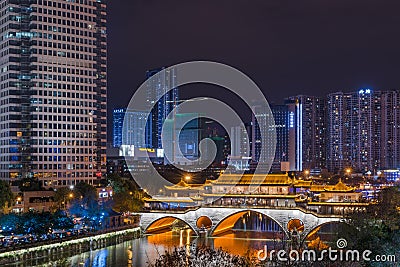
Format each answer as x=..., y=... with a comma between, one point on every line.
x=141, y=252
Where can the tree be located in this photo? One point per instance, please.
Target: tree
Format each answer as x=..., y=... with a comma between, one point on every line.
x=62, y=195
x=60, y=220
x=378, y=227
x=124, y=202
x=117, y=183
x=6, y=197
x=388, y=209
x=11, y=223
x=127, y=197
x=36, y=223
x=85, y=191
x=86, y=205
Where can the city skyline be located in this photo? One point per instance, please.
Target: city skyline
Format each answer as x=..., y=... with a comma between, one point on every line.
x=335, y=132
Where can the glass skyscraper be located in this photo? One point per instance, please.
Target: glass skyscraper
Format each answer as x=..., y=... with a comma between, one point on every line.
x=157, y=88
x=53, y=90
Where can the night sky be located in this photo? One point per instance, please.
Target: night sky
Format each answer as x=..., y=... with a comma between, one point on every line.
x=287, y=47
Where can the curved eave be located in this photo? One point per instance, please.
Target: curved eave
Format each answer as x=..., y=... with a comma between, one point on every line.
x=183, y=188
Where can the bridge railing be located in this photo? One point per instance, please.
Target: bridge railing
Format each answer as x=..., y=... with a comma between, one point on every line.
x=183, y=210
x=171, y=210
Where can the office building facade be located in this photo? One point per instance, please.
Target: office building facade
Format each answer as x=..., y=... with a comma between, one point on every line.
x=53, y=91
x=281, y=117
x=262, y=123
x=186, y=140
x=130, y=132
x=308, y=131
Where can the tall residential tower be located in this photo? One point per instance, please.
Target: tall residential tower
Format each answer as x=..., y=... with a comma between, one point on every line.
x=53, y=90
x=354, y=130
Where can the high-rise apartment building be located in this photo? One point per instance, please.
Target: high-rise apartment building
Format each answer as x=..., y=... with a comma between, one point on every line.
x=262, y=123
x=354, y=130
x=240, y=154
x=130, y=132
x=53, y=69
x=390, y=130
x=118, y=125
x=161, y=86
x=240, y=143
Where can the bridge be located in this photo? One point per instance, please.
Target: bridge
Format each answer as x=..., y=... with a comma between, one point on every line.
x=222, y=219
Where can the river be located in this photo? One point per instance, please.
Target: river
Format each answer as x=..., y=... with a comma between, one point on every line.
x=139, y=252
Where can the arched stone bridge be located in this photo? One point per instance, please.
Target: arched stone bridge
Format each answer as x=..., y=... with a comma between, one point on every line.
x=223, y=219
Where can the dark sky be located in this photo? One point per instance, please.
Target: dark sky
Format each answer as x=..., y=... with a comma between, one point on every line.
x=287, y=47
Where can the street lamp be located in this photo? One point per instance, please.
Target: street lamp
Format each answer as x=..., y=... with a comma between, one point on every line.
x=70, y=195
x=306, y=172
x=187, y=177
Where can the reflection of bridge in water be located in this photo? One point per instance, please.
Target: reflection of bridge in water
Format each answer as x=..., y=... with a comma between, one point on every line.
x=220, y=220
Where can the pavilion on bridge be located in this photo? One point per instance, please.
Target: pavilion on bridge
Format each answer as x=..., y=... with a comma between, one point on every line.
x=336, y=199
x=251, y=190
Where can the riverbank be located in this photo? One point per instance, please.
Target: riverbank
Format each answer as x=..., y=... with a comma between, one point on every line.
x=57, y=249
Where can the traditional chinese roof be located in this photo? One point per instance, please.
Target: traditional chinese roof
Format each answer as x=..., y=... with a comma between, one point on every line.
x=302, y=183
x=339, y=187
x=317, y=188
x=182, y=185
x=209, y=182
x=253, y=179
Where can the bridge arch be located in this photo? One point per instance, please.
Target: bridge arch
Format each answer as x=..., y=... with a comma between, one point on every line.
x=295, y=224
x=204, y=221
x=164, y=223
x=228, y=222
x=316, y=229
